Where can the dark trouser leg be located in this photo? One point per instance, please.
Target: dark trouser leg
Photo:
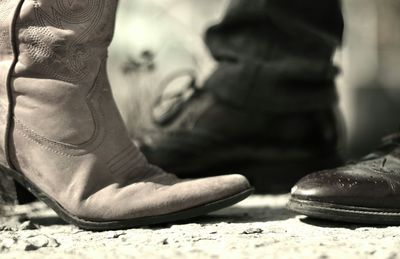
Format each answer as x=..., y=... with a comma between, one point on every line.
x=276, y=55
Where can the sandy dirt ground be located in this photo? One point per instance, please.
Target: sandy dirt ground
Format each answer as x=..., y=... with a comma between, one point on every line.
x=259, y=227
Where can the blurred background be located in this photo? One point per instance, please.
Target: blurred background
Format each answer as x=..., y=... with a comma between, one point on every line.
x=157, y=38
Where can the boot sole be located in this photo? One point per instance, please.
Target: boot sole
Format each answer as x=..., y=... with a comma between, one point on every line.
x=343, y=213
x=129, y=223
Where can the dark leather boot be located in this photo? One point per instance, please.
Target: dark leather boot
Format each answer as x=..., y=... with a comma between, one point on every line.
x=367, y=191
x=61, y=135
x=199, y=135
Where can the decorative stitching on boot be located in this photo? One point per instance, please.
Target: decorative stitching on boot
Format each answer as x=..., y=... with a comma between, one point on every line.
x=38, y=49
x=125, y=160
x=130, y=164
x=92, y=13
x=58, y=147
x=46, y=147
x=74, y=54
x=118, y=157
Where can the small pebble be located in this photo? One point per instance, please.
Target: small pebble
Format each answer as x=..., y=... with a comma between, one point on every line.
x=251, y=231
x=53, y=243
x=6, y=228
x=31, y=247
x=39, y=241
x=28, y=225
x=113, y=235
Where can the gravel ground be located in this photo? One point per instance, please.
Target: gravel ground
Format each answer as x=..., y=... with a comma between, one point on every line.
x=259, y=227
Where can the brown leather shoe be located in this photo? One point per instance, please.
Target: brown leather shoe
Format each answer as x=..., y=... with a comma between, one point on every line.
x=367, y=191
x=62, y=136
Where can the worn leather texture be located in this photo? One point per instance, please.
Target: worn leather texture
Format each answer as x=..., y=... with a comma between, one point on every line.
x=67, y=135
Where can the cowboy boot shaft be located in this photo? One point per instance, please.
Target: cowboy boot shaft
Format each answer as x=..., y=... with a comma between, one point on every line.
x=62, y=46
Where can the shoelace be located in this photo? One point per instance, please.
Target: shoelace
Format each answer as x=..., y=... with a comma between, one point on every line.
x=389, y=143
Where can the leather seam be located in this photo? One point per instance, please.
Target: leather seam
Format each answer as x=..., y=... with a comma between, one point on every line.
x=46, y=147
x=95, y=134
x=36, y=138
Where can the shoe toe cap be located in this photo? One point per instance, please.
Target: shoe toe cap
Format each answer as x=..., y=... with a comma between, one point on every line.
x=350, y=186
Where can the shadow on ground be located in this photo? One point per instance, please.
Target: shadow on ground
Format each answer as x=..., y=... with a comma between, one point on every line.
x=245, y=215
x=48, y=221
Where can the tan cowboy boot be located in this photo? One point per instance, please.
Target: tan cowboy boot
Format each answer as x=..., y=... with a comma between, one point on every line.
x=61, y=135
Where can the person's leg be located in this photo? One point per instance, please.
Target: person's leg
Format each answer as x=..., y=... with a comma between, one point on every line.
x=61, y=135
x=276, y=55
x=269, y=108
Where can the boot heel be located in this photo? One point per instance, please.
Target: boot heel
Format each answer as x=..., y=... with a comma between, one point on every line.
x=8, y=193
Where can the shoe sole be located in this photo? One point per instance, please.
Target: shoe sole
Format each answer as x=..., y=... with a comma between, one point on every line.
x=343, y=213
x=129, y=223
